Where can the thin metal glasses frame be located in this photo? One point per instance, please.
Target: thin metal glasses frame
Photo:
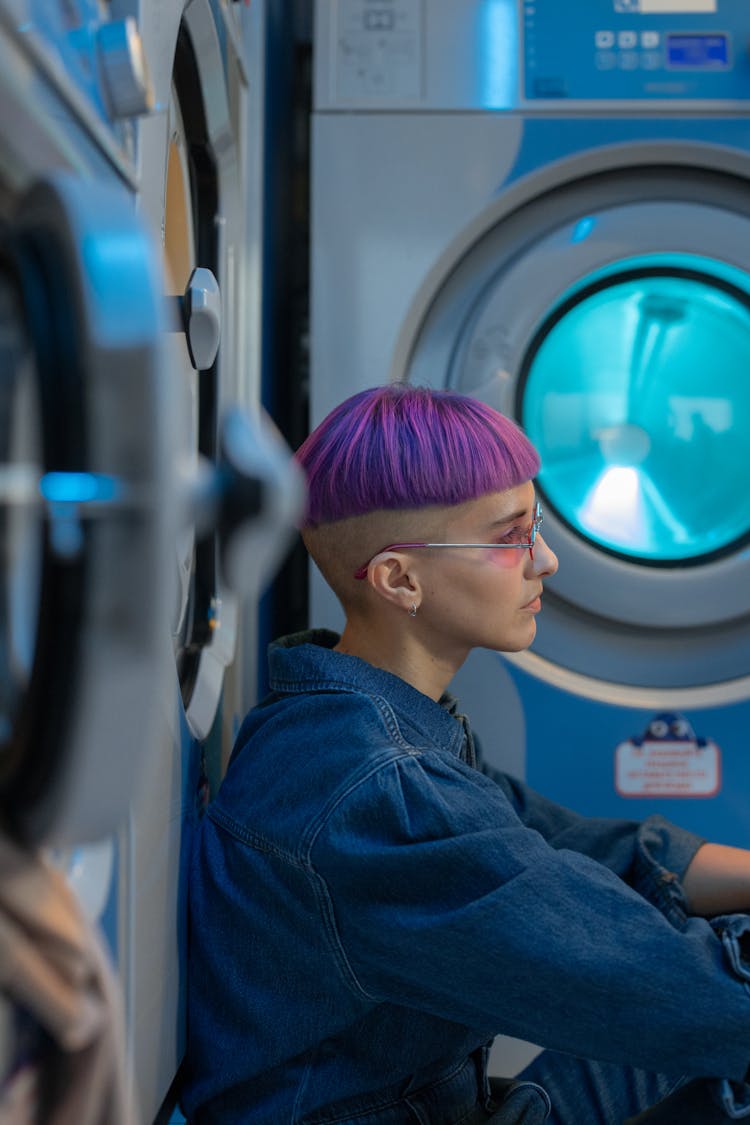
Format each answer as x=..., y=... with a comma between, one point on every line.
x=526, y=544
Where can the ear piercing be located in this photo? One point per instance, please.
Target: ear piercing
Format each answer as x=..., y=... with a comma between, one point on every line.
x=413, y=610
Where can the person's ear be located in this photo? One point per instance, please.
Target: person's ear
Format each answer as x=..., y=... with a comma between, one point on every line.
x=393, y=578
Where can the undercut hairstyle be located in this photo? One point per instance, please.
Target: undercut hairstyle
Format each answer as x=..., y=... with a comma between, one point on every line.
x=400, y=446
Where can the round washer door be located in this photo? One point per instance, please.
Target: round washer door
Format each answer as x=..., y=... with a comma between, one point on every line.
x=85, y=499
x=611, y=318
x=198, y=204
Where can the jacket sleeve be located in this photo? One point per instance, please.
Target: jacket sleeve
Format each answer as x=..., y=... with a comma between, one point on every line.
x=438, y=895
x=650, y=855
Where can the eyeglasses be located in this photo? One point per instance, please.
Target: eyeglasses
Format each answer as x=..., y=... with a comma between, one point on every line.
x=522, y=539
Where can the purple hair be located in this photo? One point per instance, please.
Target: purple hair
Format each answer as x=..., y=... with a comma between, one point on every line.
x=401, y=446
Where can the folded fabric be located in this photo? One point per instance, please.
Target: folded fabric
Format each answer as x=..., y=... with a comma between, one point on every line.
x=53, y=966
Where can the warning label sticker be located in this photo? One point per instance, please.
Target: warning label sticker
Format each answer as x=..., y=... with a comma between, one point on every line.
x=668, y=761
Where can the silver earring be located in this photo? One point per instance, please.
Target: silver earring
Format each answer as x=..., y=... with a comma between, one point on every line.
x=413, y=610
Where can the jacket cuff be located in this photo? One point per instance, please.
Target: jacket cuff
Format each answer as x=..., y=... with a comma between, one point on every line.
x=733, y=930
x=663, y=855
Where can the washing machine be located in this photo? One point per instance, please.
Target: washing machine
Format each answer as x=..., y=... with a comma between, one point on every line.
x=547, y=206
x=144, y=498
x=198, y=157
x=89, y=493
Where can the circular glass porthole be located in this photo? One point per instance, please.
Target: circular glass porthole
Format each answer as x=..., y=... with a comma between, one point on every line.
x=610, y=316
x=636, y=393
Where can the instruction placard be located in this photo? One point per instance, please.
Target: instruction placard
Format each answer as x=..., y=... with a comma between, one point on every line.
x=668, y=761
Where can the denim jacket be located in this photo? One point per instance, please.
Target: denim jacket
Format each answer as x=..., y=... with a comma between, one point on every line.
x=368, y=909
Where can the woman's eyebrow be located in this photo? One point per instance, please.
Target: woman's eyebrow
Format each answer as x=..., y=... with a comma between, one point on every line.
x=509, y=518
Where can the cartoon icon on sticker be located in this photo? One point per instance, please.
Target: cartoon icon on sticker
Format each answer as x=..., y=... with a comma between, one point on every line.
x=668, y=760
x=669, y=726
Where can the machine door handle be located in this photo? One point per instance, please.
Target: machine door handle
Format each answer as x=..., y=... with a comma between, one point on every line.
x=251, y=499
x=199, y=315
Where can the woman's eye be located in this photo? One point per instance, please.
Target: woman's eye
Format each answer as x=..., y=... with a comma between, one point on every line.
x=515, y=535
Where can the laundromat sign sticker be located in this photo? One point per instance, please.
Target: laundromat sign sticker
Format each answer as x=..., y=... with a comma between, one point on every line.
x=668, y=760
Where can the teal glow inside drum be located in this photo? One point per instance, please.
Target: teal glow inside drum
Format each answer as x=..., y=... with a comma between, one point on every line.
x=636, y=392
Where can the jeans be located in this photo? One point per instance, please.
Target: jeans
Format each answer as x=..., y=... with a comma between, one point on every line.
x=583, y=1092
x=555, y=1089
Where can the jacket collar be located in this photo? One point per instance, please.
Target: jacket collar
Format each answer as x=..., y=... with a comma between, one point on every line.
x=305, y=661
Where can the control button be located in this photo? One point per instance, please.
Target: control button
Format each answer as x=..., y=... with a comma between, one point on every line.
x=651, y=60
x=649, y=40
x=626, y=40
x=604, y=40
x=605, y=60
x=628, y=60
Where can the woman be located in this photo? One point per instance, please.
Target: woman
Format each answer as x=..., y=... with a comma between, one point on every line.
x=369, y=907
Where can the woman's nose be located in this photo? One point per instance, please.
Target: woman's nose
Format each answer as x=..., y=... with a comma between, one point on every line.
x=544, y=561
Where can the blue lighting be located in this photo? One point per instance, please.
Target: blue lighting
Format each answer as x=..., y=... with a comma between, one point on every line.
x=583, y=229
x=79, y=488
x=121, y=279
x=639, y=403
x=496, y=54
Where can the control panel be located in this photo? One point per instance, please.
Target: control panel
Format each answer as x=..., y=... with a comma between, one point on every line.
x=505, y=55
x=636, y=50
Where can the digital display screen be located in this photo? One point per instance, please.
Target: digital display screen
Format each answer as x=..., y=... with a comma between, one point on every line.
x=698, y=52
x=676, y=7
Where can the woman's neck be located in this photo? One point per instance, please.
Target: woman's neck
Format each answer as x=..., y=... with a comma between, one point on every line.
x=400, y=652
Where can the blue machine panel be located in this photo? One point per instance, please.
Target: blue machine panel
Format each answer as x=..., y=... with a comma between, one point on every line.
x=572, y=757
x=635, y=50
